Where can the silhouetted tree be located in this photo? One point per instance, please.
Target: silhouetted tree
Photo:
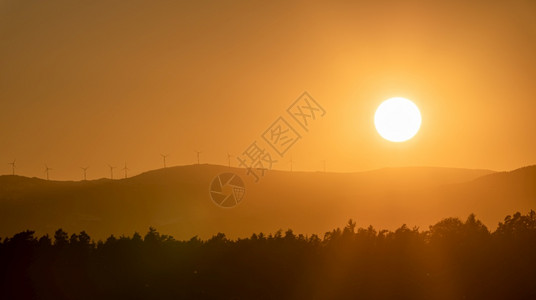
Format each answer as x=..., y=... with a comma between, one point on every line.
x=451, y=260
x=60, y=238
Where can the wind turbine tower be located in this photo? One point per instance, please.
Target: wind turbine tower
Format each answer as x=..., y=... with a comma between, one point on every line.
x=47, y=170
x=291, y=161
x=12, y=167
x=164, y=156
x=85, y=172
x=125, y=169
x=198, y=152
x=111, y=172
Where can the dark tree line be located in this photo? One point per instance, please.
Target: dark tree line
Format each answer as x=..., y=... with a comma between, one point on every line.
x=451, y=260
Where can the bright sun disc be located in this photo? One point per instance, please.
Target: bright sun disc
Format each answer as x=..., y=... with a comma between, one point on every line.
x=397, y=119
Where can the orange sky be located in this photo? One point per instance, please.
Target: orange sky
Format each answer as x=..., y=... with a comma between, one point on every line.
x=102, y=82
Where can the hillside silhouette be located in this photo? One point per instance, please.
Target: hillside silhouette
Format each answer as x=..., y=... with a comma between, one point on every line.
x=176, y=200
x=452, y=259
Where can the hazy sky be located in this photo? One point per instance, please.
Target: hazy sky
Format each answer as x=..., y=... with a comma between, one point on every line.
x=104, y=82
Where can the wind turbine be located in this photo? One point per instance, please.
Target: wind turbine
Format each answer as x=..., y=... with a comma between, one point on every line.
x=85, y=172
x=111, y=171
x=198, y=152
x=125, y=169
x=47, y=169
x=12, y=166
x=291, y=161
x=164, y=156
x=229, y=159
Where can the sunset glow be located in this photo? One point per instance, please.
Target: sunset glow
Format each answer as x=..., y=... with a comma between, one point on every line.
x=220, y=149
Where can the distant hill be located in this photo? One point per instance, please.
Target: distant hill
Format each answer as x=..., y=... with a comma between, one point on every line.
x=492, y=194
x=176, y=201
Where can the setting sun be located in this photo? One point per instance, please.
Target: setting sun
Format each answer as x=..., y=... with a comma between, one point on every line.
x=397, y=119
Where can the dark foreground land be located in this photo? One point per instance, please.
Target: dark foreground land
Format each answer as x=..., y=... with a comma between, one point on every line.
x=452, y=260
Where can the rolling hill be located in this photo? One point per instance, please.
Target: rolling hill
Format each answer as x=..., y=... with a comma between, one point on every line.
x=176, y=201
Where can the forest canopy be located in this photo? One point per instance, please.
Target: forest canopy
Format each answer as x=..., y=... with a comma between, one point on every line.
x=453, y=259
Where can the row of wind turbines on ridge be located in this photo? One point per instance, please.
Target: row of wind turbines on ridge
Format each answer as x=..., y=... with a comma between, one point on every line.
x=125, y=169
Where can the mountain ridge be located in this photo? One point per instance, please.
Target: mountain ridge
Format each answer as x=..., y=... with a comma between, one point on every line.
x=177, y=201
